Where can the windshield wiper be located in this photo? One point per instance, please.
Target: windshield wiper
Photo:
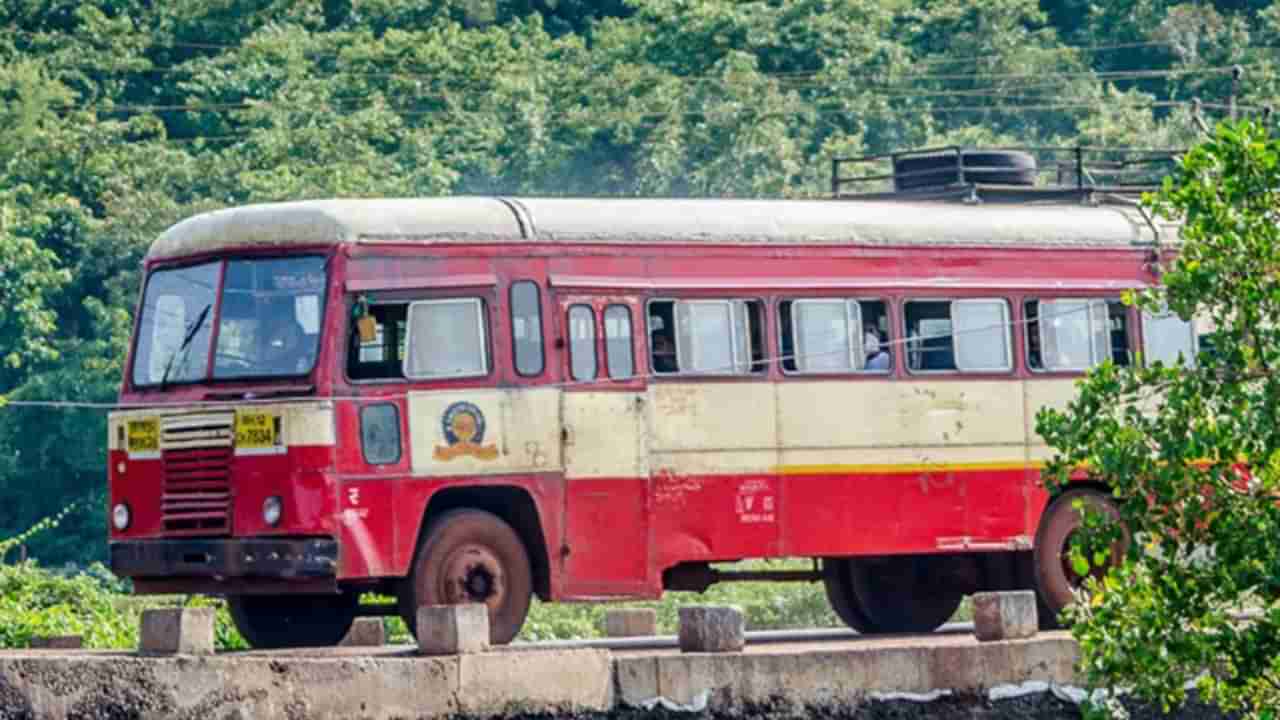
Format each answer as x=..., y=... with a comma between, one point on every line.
x=186, y=342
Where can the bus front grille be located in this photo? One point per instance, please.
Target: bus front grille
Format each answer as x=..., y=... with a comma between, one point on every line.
x=197, y=452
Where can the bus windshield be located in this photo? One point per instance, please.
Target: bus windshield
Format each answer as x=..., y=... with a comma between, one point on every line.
x=267, y=311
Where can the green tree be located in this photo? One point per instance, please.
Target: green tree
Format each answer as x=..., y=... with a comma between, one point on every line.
x=1168, y=441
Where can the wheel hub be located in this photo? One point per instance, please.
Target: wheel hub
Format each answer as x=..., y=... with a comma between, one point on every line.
x=473, y=575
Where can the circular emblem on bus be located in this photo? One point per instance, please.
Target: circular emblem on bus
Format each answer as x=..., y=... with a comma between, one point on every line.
x=463, y=428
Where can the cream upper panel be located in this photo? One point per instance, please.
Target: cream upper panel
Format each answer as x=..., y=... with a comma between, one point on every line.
x=927, y=413
x=485, y=431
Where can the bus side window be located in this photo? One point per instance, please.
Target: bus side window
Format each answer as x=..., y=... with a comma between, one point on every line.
x=834, y=335
x=1075, y=334
x=447, y=339
x=582, y=342
x=714, y=337
x=380, y=358
x=526, y=328
x=1165, y=337
x=617, y=342
x=970, y=335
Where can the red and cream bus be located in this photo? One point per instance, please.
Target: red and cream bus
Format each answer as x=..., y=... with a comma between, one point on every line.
x=484, y=399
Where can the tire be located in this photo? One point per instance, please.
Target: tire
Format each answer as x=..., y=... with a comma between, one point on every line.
x=271, y=622
x=1055, y=580
x=903, y=594
x=835, y=579
x=472, y=556
x=997, y=167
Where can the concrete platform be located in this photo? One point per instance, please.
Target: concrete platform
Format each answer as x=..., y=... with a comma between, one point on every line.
x=394, y=682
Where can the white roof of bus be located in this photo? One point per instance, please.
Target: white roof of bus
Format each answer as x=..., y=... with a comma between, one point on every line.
x=573, y=220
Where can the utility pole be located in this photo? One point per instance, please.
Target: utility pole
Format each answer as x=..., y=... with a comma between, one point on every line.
x=1237, y=72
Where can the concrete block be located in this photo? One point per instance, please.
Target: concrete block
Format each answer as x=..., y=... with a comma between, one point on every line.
x=453, y=629
x=496, y=682
x=636, y=679
x=365, y=632
x=1005, y=615
x=710, y=628
x=57, y=642
x=631, y=622
x=187, y=631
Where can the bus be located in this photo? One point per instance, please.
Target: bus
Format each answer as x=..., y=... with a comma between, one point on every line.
x=486, y=399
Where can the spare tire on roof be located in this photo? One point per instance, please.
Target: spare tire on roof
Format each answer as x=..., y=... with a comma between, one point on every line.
x=995, y=167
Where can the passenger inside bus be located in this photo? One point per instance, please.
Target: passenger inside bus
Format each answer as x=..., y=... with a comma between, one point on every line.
x=815, y=335
x=662, y=346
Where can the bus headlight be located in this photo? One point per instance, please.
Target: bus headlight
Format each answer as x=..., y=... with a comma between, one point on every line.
x=120, y=516
x=272, y=509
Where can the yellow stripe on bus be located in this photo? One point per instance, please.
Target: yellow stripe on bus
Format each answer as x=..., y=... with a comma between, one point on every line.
x=885, y=469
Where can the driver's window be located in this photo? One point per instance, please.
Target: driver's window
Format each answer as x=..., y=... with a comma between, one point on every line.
x=381, y=356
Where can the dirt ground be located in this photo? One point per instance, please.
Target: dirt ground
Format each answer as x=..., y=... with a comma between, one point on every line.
x=1043, y=706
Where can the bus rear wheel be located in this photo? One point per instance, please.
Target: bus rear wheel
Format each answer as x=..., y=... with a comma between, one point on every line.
x=1056, y=579
x=293, y=621
x=835, y=579
x=903, y=594
x=472, y=556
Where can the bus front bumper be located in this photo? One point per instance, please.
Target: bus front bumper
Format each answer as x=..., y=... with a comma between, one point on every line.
x=287, y=559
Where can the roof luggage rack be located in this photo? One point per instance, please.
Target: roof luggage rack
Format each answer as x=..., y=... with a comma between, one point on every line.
x=1008, y=174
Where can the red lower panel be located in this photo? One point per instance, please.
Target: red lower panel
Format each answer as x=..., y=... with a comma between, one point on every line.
x=715, y=517
x=366, y=528
x=915, y=512
x=606, y=536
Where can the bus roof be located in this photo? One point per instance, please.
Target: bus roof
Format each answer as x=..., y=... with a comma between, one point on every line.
x=451, y=220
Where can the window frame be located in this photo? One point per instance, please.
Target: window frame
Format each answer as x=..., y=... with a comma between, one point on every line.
x=1130, y=333
x=400, y=434
x=1143, y=315
x=1010, y=335
x=595, y=342
x=631, y=342
x=886, y=301
x=351, y=327
x=748, y=363
x=541, y=334
x=482, y=326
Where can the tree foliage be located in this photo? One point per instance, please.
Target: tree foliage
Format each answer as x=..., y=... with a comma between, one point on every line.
x=1191, y=451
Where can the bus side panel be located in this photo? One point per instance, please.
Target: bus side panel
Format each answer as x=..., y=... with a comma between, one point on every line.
x=606, y=536
x=705, y=517
x=881, y=466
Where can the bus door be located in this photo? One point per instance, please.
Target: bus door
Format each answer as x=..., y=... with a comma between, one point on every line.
x=604, y=446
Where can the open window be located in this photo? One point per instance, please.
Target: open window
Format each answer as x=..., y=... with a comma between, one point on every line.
x=382, y=357
x=709, y=337
x=447, y=339
x=1075, y=334
x=834, y=335
x=958, y=335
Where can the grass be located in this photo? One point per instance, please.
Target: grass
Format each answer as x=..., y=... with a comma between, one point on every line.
x=36, y=601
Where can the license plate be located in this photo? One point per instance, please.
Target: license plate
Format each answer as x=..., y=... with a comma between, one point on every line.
x=144, y=436
x=256, y=430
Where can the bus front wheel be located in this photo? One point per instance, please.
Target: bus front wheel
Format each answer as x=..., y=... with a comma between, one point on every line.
x=293, y=621
x=472, y=556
